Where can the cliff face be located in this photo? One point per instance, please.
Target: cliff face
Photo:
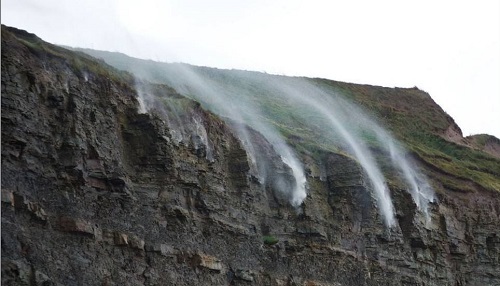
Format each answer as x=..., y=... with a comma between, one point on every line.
x=95, y=193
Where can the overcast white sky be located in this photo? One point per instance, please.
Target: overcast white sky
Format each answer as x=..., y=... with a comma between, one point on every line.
x=449, y=48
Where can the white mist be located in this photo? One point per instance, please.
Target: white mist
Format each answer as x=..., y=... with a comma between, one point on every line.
x=235, y=103
x=324, y=106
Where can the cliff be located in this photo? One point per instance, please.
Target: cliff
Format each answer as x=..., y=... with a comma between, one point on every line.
x=96, y=193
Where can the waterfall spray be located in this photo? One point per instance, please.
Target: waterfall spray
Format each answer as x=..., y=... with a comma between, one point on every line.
x=420, y=189
x=418, y=185
x=245, y=97
x=323, y=105
x=233, y=102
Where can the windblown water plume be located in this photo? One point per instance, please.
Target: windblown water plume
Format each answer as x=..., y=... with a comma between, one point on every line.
x=240, y=90
x=417, y=183
x=185, y=122
x=420, y=190
x=234, y=102
x=284, y=107
x=142, y=98
x=305, y=94
x=165, y=105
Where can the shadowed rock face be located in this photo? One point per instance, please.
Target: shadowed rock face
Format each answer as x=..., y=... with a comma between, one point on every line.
x=94, y=193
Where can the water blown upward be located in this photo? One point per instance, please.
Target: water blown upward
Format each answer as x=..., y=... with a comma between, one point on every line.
x=322, y=104
x=417, y=183
x=369, y=165
x=420, y=190
x=299, y=192
x=272, y=104
x=235, y=103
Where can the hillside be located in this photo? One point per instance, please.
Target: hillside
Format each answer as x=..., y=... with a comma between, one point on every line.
x=178, y=175
x=410, y=114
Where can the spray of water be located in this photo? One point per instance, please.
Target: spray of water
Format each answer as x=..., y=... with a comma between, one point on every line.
x=200, y=139
x=417, y=183
x=151, y=103
x=323, y=105
x=235, y=103
x=141, y=98
x=245, y=97
x=420, y=190
x=365, y=159
x=347, y=121
x=298, y=192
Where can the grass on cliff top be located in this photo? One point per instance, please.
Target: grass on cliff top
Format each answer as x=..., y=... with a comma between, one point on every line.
x=480, y=141
x=418, y=122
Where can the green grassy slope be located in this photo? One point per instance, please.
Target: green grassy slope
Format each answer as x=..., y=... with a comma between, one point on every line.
x=415, y=119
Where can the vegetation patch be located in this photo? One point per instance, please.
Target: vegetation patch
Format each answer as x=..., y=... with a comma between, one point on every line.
x=270, y=240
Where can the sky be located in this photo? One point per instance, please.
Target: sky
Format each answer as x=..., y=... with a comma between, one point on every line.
x=449, y=48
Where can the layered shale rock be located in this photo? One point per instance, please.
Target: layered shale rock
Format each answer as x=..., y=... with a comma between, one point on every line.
x=96, y=193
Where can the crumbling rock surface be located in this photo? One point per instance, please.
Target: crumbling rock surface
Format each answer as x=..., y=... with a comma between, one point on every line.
x=94, y=193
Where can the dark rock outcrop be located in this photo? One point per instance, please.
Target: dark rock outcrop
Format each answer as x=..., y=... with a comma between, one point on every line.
x=94, y=193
